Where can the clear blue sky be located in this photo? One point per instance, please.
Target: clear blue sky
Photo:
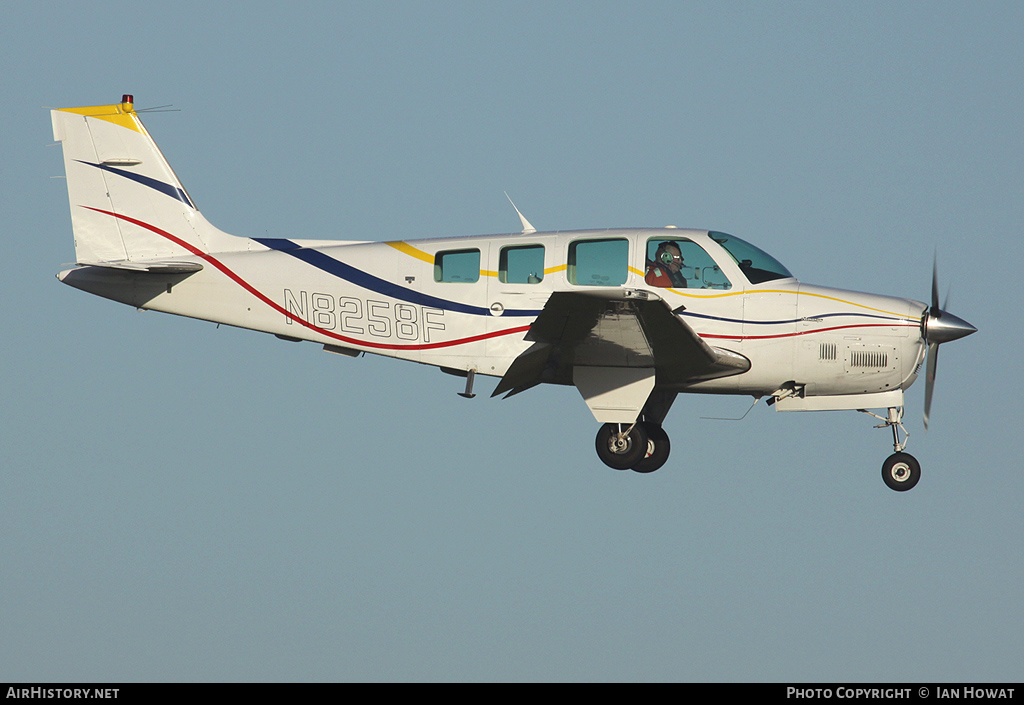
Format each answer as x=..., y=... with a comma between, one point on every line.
x=180, y=502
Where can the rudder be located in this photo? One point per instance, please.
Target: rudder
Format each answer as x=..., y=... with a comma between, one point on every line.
x=114, y=168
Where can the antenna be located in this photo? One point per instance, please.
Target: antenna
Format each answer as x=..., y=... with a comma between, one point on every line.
x=719, y=418
x=527, y=226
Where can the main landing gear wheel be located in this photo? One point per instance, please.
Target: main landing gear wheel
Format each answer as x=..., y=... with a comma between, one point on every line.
x=621, y=446
x=901, y=471
x=658, y=448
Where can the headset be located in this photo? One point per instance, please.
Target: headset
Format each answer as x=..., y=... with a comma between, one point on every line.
x=667, y=257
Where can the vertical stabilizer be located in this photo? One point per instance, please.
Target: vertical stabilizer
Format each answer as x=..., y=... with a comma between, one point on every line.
x=119, y=183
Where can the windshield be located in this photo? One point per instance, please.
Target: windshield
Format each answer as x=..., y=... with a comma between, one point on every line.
x=757, y=265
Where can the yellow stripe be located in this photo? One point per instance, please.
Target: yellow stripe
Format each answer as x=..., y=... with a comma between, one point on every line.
x=851, y=303
x=408, y=249
x=121, y=114
x=785, y=291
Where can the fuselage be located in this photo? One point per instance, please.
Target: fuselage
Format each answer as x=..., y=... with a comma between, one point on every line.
x=466, y=303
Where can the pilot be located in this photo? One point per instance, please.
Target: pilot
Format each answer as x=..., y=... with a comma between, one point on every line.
x=664, y=269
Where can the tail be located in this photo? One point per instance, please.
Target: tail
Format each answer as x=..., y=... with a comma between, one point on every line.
x=127, y=206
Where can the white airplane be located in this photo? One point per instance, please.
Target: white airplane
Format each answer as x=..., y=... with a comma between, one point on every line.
x=630, y=317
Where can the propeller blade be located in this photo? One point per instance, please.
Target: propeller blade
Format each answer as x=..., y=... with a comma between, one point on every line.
x=938, y=327
x=929, y=381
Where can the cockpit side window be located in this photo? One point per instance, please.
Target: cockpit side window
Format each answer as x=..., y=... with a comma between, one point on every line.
x=757, y=265
x=682, y=264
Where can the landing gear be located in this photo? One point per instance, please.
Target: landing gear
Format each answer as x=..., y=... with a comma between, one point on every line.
x=621, y=446
x=658, y=447
x=642, y=446
x=900, y=471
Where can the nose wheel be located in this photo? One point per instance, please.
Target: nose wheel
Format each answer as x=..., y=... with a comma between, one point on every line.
x=901, y=471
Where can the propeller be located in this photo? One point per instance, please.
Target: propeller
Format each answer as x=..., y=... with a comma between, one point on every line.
x=938, y=327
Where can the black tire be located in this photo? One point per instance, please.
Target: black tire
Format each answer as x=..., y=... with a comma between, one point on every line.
x=658, y=448
x=901, y=471
x=624, y=454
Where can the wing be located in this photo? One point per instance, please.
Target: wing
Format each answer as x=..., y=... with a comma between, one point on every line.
x=615, y=328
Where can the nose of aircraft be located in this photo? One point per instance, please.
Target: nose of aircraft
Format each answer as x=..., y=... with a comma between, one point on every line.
x=942, y=327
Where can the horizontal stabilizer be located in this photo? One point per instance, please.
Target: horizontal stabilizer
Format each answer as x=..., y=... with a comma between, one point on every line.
x=160, y=267
x=132, y=283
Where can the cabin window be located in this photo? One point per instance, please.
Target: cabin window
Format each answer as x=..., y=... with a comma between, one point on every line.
x=461, y=266
x=682, y=264
x=522, y=264
x=598, y=262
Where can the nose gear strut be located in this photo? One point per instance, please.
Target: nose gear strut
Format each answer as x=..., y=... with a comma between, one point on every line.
x=895, y=422
x=900, y=471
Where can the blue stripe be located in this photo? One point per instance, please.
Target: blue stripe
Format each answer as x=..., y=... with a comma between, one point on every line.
x=358, y=277
x=164, y=188
x=785, y=322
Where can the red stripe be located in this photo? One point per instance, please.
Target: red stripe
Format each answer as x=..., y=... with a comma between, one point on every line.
x=330, y=334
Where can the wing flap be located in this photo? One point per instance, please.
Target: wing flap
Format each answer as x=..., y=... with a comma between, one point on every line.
x=615, y=328
x=526, y=371
x=681, y=356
